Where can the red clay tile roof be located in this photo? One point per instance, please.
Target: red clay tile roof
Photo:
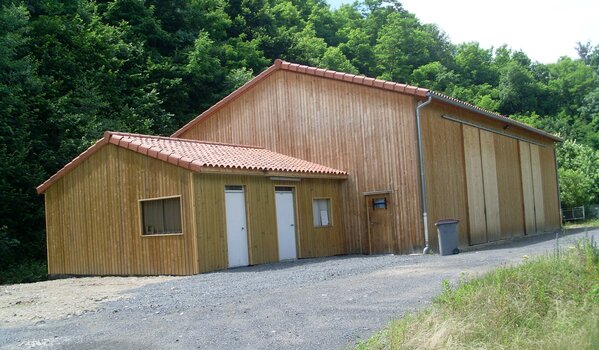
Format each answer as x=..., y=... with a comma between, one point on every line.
x=354, y=79
x=198, y=155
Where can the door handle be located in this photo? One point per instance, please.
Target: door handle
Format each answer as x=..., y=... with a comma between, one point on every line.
x=243, y=228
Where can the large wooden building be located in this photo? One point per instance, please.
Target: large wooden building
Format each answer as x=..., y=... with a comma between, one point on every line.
x=494, y=174
x=198, y=201
x=144, y=205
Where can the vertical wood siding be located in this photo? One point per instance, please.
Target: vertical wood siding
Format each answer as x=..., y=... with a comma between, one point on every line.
x=371, y=134
x=527, y=188
x=552, y=213
x=487, y=152
x=93, y=217
x=474, y=186
x=261, y=219
x=445, y=181
x=509, y=186
x=368, y=132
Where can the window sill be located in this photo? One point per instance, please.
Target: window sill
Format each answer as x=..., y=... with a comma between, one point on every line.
x=163, y=235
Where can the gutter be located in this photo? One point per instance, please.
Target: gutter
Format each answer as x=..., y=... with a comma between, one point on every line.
x=497, y=117
x=422, y=179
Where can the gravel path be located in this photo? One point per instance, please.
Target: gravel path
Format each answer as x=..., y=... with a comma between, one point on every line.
x=324, y=303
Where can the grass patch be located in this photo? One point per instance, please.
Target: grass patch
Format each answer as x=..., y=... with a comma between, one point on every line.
x=549, y=302
x=582, y=224
x=25, y=272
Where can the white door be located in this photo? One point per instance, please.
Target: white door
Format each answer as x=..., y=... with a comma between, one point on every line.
x=285, y=222
x=237, y=239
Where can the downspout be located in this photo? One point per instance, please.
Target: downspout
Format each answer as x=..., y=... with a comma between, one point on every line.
x=422, y=183
x=559, y=196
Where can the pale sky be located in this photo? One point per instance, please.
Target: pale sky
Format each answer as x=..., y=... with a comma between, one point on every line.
x=544, y=30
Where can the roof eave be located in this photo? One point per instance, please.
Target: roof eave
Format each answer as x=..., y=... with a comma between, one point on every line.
x=232, y=96
x=274, y=173
x=494, y=116
x=74, y=163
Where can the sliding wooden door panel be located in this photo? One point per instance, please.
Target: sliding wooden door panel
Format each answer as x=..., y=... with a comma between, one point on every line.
x=474, y=185
x=489, y=165
x=527, y=188
x=537, y=184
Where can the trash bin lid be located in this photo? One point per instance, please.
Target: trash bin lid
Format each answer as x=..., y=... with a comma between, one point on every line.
x=446, y=222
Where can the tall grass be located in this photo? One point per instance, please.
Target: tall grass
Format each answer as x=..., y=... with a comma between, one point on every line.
x=549, y=302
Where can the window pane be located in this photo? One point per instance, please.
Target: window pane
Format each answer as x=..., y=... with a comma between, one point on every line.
x=316, y=213
x=321, y=211
x=161, y=216
x=379, y=203
x=152, y=217
x=172, y=215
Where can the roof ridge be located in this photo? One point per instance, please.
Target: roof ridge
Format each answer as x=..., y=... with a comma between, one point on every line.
x=416, y=91
x=352, y=78
x=118, y=133
x=309, y=70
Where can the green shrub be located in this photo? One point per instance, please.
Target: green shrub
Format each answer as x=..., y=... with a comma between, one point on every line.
x=26, y=272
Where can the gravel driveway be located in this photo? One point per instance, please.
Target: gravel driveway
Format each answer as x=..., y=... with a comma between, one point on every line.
x=326, y=303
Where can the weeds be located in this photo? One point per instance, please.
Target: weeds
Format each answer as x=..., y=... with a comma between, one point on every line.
x=548, y=302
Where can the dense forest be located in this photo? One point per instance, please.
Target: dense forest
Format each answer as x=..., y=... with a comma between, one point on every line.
x=71, y=69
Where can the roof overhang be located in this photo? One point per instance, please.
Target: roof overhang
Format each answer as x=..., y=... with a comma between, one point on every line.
x=498, y=117
x=359, y=80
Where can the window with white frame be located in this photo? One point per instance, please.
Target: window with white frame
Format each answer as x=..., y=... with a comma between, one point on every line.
x=161, y=216
x=321, y=210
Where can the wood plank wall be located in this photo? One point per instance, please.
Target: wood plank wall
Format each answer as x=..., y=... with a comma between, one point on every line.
x=509, y=186
x=550, y=195
x=487, y=152
x=368, y=132
x=371, y=134
x=528, y=196
x=474, y=186
x=93, y=218
x=261, y=218
x=445, y=181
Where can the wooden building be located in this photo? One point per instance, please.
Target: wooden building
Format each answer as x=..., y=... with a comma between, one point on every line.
x=496, y=175
x=142, y=205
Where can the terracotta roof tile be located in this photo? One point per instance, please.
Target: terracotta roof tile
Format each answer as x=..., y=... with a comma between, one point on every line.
x=195, y=155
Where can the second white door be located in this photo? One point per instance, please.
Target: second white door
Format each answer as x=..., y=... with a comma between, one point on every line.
x=285, y=222
x=237, y=239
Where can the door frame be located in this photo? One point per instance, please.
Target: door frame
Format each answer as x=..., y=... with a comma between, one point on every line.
x=247, y=229
x=367, y=196
x=296, y=219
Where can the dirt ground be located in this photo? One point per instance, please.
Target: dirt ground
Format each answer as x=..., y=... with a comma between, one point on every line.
x=323, y=303
x=22, y=304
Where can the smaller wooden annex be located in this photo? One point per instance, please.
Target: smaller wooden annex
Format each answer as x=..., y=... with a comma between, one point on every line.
x=143, y=205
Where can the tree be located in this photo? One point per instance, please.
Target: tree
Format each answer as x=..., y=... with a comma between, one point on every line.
x=434, y=76
x=403, y=45
x=579, y=166
x=21, y=231
x=334, y=59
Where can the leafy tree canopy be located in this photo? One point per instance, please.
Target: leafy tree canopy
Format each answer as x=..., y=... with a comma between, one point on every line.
x=71, y=69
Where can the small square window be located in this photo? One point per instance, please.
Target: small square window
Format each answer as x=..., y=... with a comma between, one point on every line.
x=379, y=203
x=321, y=210
x=161, y=216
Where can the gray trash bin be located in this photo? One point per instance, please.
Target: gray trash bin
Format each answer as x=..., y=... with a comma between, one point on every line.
x=447, y=230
